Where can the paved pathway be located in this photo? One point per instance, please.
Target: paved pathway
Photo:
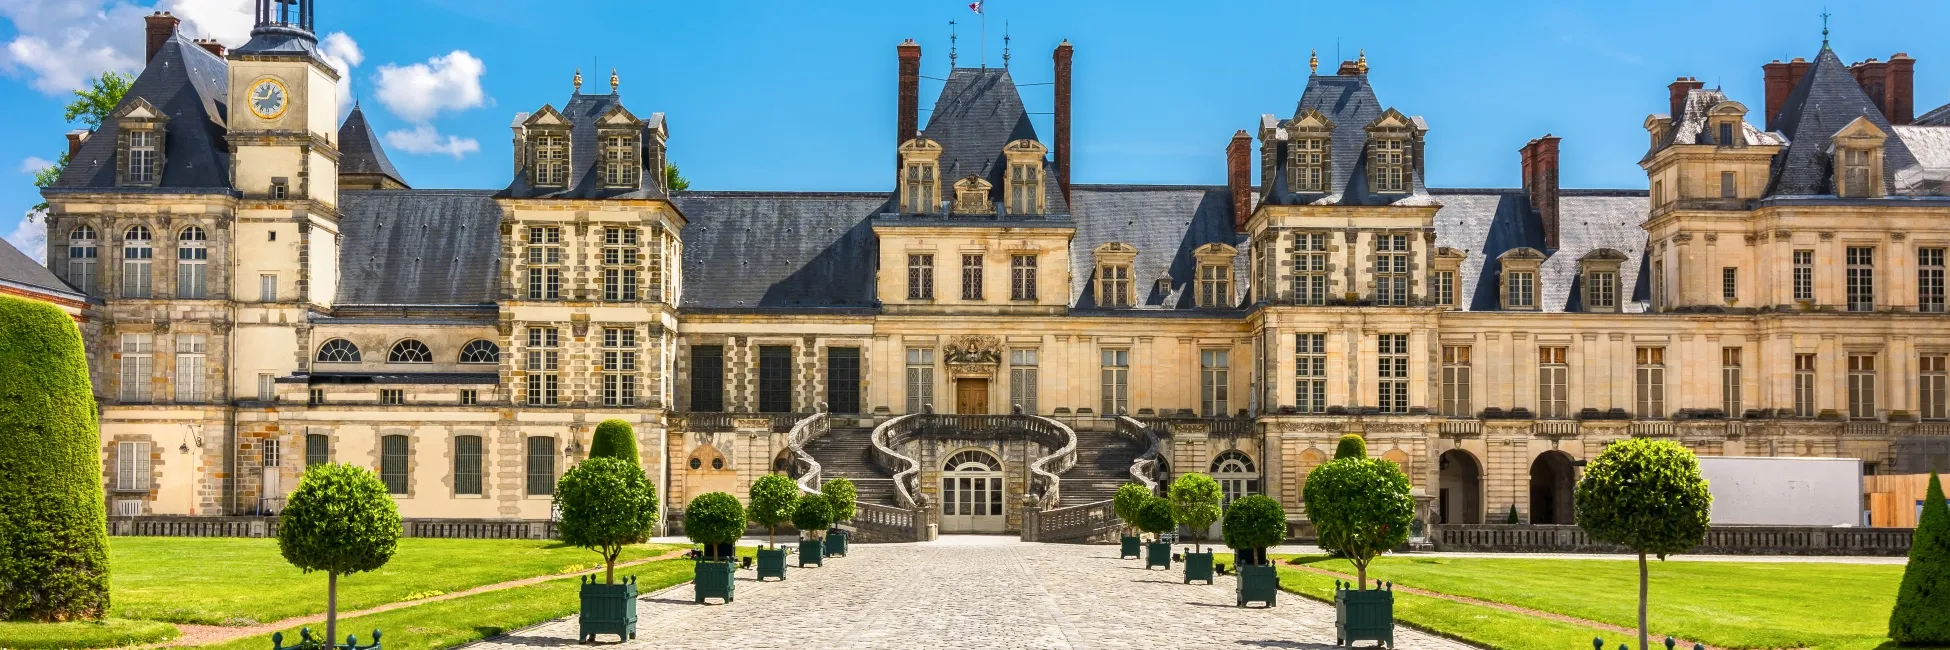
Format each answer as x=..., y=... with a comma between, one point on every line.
x=971, y=593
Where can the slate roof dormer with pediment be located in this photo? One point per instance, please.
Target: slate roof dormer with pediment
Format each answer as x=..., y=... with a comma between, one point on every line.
x=1825, y=101
x=978, y=113
x=584, y=117
x=1690, y=126
x=190, y=87
x=360, y=153
x=1346, y=103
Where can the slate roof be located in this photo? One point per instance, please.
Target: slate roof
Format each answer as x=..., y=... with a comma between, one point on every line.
x=977, y=113
x=582, y=112
x=280, y=39
x=17, y=269
x=780, y=250
x=1827, y=99
x=1350, y=103
x=1930, y=145
x=418, y=247
x=359, y=149
x=1939, y=116
x=1165, y=223
x=1689, y=127
x=188, y=84
x=1486, y=223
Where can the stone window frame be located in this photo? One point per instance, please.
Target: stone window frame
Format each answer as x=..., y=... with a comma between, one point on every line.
x=1114, y=259
x=1456, y=399
x=1391, y=153
x=338, y=352
x=1861, y=138
x=1445, y=276
x=1590, y=267
x=1310, y=126
x=379, y=459
x=973, y=285
x=132, y=284
x=920, y=275
x=625, y=171
x=1729, y=116
x=622, y=261
x=528, y=471
x=619, y=364
x=1305, y=253
x=472, y=351
x=1513, y=265
x=1401, y=276
x=483, y=469
x=139, y=116
x=1023, y=277
x=542, y=130
x=1215, y=279
x=920, y=178
x=84, y=262
x=972, y=196
x=192, y=252
x=409, y=350
x=1025, y=177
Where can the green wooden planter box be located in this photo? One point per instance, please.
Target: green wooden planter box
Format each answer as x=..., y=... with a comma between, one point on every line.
x=1258, y=583
x=1364, y=614
x=607, y=609
x=1157, y=554
x=1198, y=566
x=771, y=563
x=1128, y=547
x=811, y=552
x=836, y=543
x=715, y=579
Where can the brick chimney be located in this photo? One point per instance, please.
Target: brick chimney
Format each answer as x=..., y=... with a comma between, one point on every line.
x=211, y=45
x=1679, y=89
x=1239, y=178
x=1781, y=79
x=1890, y=84
x=909, y=109
x=1062, y=136
x=75, y=139
x=159, y=27
x=1540, y=182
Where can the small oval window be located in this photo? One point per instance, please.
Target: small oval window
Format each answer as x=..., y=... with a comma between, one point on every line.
x=695, y=463
x=717, y=463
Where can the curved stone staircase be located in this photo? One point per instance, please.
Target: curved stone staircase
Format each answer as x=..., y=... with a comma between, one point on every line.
x=1103, y=464
x=848, y=453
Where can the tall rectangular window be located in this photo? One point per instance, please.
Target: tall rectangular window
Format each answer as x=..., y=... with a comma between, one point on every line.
x=1392, y=371
x=619, y=366
x=1310, y=268
x=1929, y=280
x=1930, y=388
x=1730, y=382
x=620, y=163
x=1455, y=381
x=83, y=259
x=971, y=276
x=318, y=449
x=621, y=249
x=1855, y=173
x=1114, y=285
x=1728, y=188
x=1804, y=385
x=273, y=453
x=543, y=256
x=1552, y=389
x=267, y=387
x=1804, y=275
x=1651, y=383
x=1522, y=292
x=1862, y=386
x=267, y=287
x=1310, y=372
x=1729, y=284
x=1116, y=381
x=920, y=379
x=1214, y=285
x=192, y=264
x=843, y=380
x=775, y=379
x=1443, y=285
x=707, y=378
x=467, y=465
x=1659, y=300
x=1601, y=290
x=544, y=364
x=1022, y=277
x=392, y=463
x=1022, y=380
x=1390, y=168
x=1309, y=168
x=920, y=277
x=541, y=465
x=132, y=466
x=551, y=160
x=142, y=156
x=920, y=188
x=1861, y=278
x=1025, y=187
x=191, y=375
x=1215, y=378
x=137, y=368
x=137, y=257
x=1391, y=270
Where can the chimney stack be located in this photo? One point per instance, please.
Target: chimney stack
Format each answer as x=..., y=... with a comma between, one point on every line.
x=909, y=109
x=75, y=139
x=1062, y=145
x=1239, y=178
x=1781, y=78
x=211, y=45
x=1679, y=88
x=1890, y=84
x=160, y=26
x=1540, y=182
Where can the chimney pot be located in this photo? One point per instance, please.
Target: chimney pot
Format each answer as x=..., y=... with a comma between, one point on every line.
x=1348, y=69
x=212, y=46
x=1239, y=178
x=1061, y=57
x=1540, y=183
x=1679, y=88
x=909, y=97
x=75, y=140
x=1778, y=82
x=157, y=27
x=1900, y=89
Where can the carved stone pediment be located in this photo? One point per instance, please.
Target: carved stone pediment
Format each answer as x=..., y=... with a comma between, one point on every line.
x=973, y=349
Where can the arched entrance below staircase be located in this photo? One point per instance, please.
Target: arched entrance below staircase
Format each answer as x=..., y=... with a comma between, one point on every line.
x=1552, y=483
x=971, y=493
x=1459, y=499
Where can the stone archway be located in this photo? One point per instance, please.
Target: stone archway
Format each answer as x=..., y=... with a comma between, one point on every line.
x=1459, y=496
x=1553, y=479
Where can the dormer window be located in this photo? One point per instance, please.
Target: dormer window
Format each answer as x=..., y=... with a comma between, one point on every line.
x=142, y=157
x=1599, y=269
x=920, y=176
x=1724, y=120
x=1726, y=134
x=1025, y=182
x=972, y=196
x=920, y=188
x=1113, y=274
x=140, y=145
x=1309, y=168
x=1520, y=290
x=620, y=168
x=1387, y=168
x=551, y=159
x=1215, y=274
x=1855, y=172
x=1857, y=151
x=280, y=188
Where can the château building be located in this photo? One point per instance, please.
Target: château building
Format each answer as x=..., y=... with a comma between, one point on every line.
x=265, y=291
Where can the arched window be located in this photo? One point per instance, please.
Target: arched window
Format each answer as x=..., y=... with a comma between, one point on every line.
x=192, y=263
x=409, y=351
x=137, y=255
x=1234, y=471
x=972, y=460
x=82, y=259
x=480, y=351
x=338, y=351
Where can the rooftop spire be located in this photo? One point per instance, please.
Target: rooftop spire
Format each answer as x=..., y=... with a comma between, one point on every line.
x=1005, y=44
x=951, y=44
x=613, y=81
x=1313, y=61
x=1824, y=28
x=1362, y=63
x=578, y=81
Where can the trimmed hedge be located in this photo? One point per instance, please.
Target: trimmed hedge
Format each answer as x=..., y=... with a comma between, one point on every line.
x=614, y=439
x=54, y=524
x=1922, y=614
x=1352, y=445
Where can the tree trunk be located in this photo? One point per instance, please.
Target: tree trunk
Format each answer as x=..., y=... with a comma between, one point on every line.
x=1642, y=640
x=1361, y=578
x=609, y=565
x=331, y=608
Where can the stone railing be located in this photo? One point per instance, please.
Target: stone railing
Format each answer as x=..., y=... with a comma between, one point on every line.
x=717, y=422
x=1217, y=426
x=877, y=523
x=1459, y=427
x=1720, y=540
x=803, y=432
x=192, y=526
x=1144, y=469
x=889, y=437
x=1043, y=471
x=1082, y=523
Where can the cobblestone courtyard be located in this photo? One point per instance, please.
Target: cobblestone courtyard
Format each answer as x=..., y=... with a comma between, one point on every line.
x=971, y=593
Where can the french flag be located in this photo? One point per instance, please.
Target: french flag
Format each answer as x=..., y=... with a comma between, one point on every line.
x=975, y=6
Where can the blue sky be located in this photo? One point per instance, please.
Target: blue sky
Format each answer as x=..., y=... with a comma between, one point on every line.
x=800, y=95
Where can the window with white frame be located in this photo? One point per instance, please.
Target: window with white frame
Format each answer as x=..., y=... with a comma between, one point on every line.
x=1804, y=384
x=551, y=159
x=1455, y=381
x=1443, y=285
x=480, y=351
x=267, y=287
x=1804, y=275
x=191, y=374
x=267, y=387
x=137, y=255
x=920, y=379
x=1861, y=278
x=132, y=467
x=1651, y=382
x=1391, y=270
x=1310, y=372
x=1932, y=397
x=1214, y=382
x=1115, y=388
x=1236, y=475
x=1214, y=285
x=84, y=254
x=920, y=276
x=543, y=256
x=1310, y=268
x=409, y=351
x=1862, y=386
x=142, y=156
x=1730, y=382
x=544, y=362
x=338, y=351
x=619, y=366
x=1022, y=277
x=971, y=276
x=192, y=263
x=271, y=454
x=1391, y=366
x=1389, y=171
x=1522, y=289
x=620, y=165
x=1309, y=158
x=1601, y=290
x=1023, y=378
x=1552, y=375
x=1929, y=280
x=137, y=368
x=620, y=250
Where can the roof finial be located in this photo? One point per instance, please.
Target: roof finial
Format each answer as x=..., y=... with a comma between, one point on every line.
x=613, y=81
x=578, y=81
x=1005, y=44
x=951, y=45
x=1313, y=61
x=1824, y=28
x=1361, y=64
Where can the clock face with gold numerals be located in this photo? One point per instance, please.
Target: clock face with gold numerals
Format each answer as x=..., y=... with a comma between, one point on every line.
x=267, y=98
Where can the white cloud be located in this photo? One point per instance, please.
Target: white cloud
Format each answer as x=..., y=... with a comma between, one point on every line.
x=30, y=236
x=342, y=53
x=34, y=163
x=418, y=92
x=424, y=140
x=59, y=45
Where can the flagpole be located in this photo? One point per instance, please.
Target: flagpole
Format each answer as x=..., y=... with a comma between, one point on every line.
x=985, y=38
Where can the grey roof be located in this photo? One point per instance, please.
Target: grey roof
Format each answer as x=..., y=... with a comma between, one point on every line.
x=188, y=84
x=280, y=39
x=16, y=268
x=1689, y=127
x=418, y=247
x=1931, y=147
x=977, y=113
x=1827, y=99
x=1165, y=223
x=359, y=149
x=582, y=112
x=1939, y=116
x=745, y=250
x=1486, y=223
x=1350, y=103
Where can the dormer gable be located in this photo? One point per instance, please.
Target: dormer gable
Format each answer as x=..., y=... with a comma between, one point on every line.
x=1598, y=280
x=1024, y=177
x=1310, y=138
x=1391, y=139
x=1518, y=290
x=544, y=147
x=619, y=145
x=1725, y=124
x=972, y=195
x=920, y=175
x=141, y=130
x=1214, y=263
x=1112, y=264
x=1857, y=151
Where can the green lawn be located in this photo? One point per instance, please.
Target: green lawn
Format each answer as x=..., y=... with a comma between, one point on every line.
x=89, y=634
x=1485, y=626
x=1826, y=606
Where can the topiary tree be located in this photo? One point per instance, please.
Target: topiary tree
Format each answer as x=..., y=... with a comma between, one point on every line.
x=1922, y=614
x=1360, y=508
x=1130, y=497
x=606, y=504
x=1646, y=495
x=54, y=524
x=614, y=439
x=1155, y=516
x=714, y=519
x=1195, y=500
x=812, y=516
x=842, y=496
x=1255, y=522
x=1352, y=445
x=341, y=521
x=772, y=496
x=1512, y=517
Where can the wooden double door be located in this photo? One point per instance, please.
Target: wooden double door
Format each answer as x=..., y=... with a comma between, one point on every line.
x=972, y=396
